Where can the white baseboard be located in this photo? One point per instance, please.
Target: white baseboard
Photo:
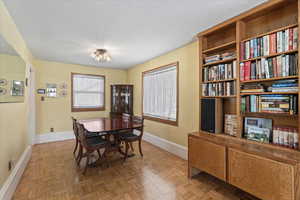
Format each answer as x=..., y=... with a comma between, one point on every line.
x=54, y=137
x=10, y=185
x=171, y=147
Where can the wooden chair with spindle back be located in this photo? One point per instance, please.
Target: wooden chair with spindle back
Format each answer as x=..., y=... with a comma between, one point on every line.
x=91, y=144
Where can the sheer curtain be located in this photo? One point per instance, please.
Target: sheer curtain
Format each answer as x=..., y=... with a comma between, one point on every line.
x=88, y=91
x=160, y=93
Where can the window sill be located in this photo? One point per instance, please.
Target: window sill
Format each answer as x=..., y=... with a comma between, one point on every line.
x=87, y=109
x=164, y=121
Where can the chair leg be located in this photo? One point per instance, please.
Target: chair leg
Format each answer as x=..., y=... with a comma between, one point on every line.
x=126, y=151
x=131, y=146
x=140, y=147
x=79, y=157
x=99, y=154
x=87, y=163
x=76, y=146
x=105, y=158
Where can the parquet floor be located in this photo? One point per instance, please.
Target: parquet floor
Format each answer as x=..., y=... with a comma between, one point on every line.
x=53, y=174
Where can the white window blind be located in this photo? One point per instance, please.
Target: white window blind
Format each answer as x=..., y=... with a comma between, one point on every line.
x=160, y=93
x=88, y=91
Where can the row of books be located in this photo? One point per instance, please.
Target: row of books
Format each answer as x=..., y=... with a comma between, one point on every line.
x=252, y=88
x=278, y=42
x=217, y=57
x=279, y=66
x=286, y=136
x=220, y=72
x=230, y=126
x=219, y=89
x=270, y=104
x=285, y=86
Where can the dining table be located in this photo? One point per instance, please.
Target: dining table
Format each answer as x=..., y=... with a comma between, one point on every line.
x=111, y=126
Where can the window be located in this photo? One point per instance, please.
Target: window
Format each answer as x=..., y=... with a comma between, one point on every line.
x=88, y=92
x=160, y=94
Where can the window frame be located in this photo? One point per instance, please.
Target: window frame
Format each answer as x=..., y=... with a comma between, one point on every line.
x=73, y=109
x=157, y=119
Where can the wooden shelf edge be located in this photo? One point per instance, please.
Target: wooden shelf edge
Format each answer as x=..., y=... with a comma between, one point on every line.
x=228, y=44
x=266, y=93
x=219, y=62
x=218, y=81
x=271, y=55
x=270, y=79
x=269, y=114
x=270, y=32
x=232, y=96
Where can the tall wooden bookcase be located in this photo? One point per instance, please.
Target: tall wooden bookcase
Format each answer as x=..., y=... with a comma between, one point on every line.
x=270, y=17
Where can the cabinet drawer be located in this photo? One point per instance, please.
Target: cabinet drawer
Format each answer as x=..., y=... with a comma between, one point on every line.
x=208, y=157
x=262, y=177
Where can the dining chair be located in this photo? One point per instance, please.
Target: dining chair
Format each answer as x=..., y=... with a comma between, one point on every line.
x=77, y=143
x=129, y=137
x=91, y=144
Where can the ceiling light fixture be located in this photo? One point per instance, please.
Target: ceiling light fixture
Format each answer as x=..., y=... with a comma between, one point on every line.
x=101, y=55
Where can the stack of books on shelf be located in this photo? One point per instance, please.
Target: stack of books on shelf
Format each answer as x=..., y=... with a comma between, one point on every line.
x=281, y=41
x=230, y=125
x=285, y=136
x=218, y=57
x=220, y=72
x=285, y=86
x=252, y=88
x=279, y=66
x=286, y=104
x=219, y=89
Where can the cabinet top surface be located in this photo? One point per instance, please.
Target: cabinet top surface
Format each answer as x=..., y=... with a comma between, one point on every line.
x=280, y=154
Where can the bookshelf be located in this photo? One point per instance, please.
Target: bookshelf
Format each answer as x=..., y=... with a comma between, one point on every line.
x=268, y=169
x=272, y=18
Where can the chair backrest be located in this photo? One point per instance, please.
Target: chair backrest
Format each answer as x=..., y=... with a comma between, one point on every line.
x=75, y=128
x=140, y=120
x=126, y=116
x=82, y=133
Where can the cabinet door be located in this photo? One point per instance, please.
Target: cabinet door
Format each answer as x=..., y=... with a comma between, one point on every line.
x=208, y=157
x=267, y=179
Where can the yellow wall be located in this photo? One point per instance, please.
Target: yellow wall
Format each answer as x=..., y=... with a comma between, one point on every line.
x=188, y=93
x=13, y=116
x=56, y=112
x=11, y=68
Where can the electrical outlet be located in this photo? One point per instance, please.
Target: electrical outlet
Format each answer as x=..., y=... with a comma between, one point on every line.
x=51, y=130
x=10, y=165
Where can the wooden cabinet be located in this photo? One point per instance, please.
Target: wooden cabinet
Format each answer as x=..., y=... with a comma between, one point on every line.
x=262, y=177
x=121, y=99
x=208, y=157
x=265, y=171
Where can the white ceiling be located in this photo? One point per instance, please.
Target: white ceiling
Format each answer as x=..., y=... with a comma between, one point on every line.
x=133, y=31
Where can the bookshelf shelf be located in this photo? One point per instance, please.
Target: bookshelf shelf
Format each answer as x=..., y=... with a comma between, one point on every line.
x=271, y=55
x=266, y=93
x=269, y=114
x=232, y=96
x=271, y=79
x=271, y=32
x=220, y=47
x=219, y=62
x=218, y=81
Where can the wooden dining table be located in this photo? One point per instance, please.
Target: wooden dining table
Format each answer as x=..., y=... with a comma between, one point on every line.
x=111, y=126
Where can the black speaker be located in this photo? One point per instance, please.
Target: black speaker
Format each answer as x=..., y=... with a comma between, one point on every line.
x=211, y=115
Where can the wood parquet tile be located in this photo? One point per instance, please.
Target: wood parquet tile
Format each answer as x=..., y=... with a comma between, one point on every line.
x=53, y=175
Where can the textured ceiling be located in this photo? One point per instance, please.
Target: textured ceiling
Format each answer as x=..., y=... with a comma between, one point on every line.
x=133, y=31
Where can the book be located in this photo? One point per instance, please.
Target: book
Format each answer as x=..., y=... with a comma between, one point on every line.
x=230, y=125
